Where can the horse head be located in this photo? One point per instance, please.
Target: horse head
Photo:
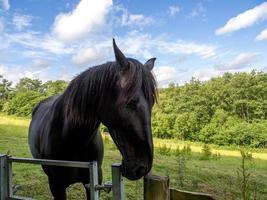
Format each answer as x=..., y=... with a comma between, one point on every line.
x=128, y=113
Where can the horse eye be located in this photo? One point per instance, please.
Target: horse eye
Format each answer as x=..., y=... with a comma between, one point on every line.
x=132, y=104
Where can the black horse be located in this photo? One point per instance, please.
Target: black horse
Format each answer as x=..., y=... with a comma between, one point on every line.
x=119, y=94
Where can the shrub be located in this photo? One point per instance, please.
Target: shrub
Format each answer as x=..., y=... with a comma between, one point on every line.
x=205, y=152
x=186, y=150
x=181, y=168
x=216, y=156
x=164, y=149
x=243, y=175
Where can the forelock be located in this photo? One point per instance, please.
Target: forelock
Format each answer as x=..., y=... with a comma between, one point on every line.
x=138, y=77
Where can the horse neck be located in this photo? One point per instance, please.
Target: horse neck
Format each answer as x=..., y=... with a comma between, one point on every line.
x=86, y=94
x=77, y=126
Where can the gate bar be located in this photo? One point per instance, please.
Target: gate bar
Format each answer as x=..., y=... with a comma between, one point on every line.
x=58, y=163
x=6, y=192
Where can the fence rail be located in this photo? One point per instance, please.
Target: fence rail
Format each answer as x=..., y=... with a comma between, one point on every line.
x=6, y=183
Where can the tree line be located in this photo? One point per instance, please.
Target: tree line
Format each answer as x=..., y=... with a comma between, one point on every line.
x=226, y=110
x=20, y=99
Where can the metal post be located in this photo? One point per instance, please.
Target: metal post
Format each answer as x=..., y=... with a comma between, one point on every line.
x=3, y=177
x=93, y=171
x=117, y=183
x=9, y=178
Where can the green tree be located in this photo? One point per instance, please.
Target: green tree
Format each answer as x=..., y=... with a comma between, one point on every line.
x=23, y=102
x=5, y=91
x=27, y=84
x=211, y=111
x=55, y=87
x=27, y=93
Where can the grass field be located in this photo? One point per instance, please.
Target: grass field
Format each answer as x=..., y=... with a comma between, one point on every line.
x=217, y=176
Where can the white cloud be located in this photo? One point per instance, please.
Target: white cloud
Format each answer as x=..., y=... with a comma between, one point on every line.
x=88, y=55
x=198, y=10
x=3, y=69
x=5, y=4
x=66, y=76
x=244, y=20
x=188, y=48
x=2, y=38
x=140, y=44
x=85, y=18
x=40, y=63
x=15, y=73
x=137, y=44
x=33, y=53
x=3, y=41
x=136, y=19
x=165, y=75
x=262, y=35
x=21, y=21
x=27, y=39
x=130, y=19
x=206, y=74
x=36, y=40
x=173, y=10
x=1, y=25
x=243, y=60
x=30, y=74
x=54, y=46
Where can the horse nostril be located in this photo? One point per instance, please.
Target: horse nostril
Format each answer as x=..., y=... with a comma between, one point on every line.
x=134, y=170
x=141, y=171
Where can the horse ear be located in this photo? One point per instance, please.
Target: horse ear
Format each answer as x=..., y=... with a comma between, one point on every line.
x=120, y=58
x=150, y=63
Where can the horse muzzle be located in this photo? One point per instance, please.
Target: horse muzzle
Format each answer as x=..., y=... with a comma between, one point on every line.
x=134, y=170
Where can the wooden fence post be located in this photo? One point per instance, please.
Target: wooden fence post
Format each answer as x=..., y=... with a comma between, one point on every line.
x=156, y=187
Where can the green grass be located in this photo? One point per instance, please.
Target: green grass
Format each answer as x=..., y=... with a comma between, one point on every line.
x=215, y=176
x=223, y=150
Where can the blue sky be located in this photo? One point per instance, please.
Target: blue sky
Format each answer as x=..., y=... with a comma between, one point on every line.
x=53, y=40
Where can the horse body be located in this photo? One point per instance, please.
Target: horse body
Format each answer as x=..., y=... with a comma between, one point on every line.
x=53, y=138
x=65, y=127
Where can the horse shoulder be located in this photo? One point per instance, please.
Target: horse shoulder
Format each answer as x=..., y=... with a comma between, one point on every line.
x=40, y=126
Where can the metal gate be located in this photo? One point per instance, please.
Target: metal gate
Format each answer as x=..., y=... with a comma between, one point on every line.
x=6, y=183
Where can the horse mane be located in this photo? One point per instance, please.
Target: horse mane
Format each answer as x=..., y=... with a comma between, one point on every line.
x=88, y=91
x=35, y=108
